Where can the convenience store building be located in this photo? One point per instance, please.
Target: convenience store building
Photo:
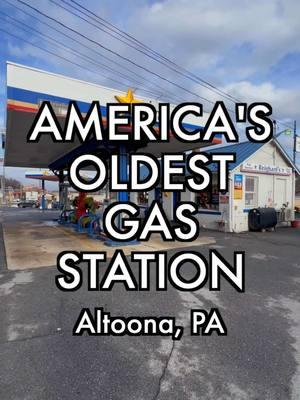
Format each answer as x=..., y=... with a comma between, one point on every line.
x=262, y=176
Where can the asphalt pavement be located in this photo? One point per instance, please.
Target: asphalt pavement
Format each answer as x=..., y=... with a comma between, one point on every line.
x=259, y=359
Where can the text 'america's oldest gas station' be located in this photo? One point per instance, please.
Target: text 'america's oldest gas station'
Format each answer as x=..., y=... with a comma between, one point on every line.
x=256, y=176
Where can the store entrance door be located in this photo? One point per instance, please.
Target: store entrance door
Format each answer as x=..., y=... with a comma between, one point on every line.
x=280, y=192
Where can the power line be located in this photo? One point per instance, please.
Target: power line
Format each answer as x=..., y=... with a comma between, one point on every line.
x=133, y=39
x=115, y=29
x=283, y=124
x=73, y=39
x=76, y=53
x=195, y=79
x=118, y=55
x=61, y=57
x=49, y=39
x=166, y=94
x=191, y=75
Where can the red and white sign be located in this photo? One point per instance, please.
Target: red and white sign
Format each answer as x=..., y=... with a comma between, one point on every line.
x=266, y=169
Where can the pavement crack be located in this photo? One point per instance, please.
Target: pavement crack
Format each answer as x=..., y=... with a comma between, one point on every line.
x=165, y=368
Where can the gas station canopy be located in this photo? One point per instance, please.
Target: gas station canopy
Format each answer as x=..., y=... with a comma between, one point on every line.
x=28, y=87
x=41, y=176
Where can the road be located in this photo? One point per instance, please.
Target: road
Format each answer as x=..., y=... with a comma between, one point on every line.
x=259, y=359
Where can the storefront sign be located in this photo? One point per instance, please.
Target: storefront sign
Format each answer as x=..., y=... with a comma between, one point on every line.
x=238, y=187
x=266, y=169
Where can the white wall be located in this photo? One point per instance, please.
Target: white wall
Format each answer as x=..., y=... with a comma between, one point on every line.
x=270, y=193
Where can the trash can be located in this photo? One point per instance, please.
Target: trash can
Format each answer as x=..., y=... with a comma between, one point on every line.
x=262, y=218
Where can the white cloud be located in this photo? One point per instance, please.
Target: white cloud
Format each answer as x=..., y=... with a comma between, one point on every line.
x=24, y=51
x=285, y=102
x=199, y=33
x=225, y=42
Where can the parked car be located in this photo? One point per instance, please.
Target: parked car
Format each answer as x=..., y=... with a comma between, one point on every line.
x=28, y=204
x=15, y=203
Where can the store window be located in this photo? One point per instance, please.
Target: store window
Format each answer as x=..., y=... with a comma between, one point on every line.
x=208, y=199
x=143, y=198
x=251, y=184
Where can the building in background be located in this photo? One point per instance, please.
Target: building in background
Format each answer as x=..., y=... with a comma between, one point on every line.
x=2, y=174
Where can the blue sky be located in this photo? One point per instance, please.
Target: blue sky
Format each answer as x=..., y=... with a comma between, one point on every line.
x=250, y=49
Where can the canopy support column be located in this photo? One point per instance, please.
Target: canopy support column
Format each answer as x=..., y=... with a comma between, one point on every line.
x=122, y=196
x=61, y=189
x=43, y=202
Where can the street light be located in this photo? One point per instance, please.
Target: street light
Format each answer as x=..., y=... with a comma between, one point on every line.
x=288, y=132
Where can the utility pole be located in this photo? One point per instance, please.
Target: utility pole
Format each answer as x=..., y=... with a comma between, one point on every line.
x=295, y=142
x=274, y=128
